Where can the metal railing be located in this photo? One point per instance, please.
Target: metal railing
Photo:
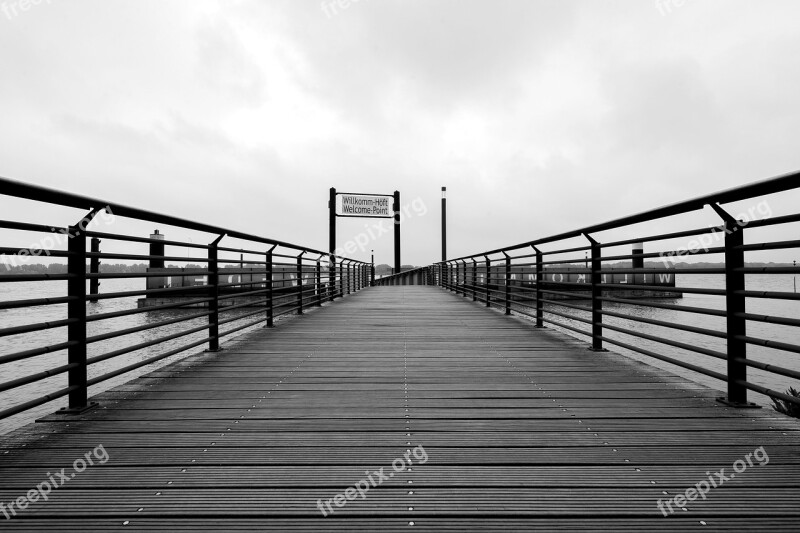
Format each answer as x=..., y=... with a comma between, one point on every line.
x=241, y=287
x=559, y=287
x=416, y=276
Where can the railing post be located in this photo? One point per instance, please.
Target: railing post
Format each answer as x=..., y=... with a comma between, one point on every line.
x=539, y=279
x=332, y=278
x=448, y=276
x=213, y=291
x=341, y=277
x=300, y=283
x=597, y=293
x=372, y=275
x=94, y=268
x=734, y=307
x=508, y=283
x=488, y=280
x=474, y=279
x=76, y=310
x=270, y=294
x=463, y=277
x=319, y=281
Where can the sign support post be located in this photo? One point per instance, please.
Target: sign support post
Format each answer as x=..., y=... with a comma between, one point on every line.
x=396, y=232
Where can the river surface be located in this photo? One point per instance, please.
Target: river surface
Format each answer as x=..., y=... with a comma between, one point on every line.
x=18, y=291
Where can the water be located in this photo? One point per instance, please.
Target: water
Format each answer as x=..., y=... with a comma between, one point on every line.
x=781, y=308
x=17, y=343
x=14, y=317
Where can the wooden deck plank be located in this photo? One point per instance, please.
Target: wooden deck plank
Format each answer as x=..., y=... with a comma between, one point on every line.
x=524, y=429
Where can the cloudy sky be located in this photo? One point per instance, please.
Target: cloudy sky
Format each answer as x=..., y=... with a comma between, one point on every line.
x=538, y=116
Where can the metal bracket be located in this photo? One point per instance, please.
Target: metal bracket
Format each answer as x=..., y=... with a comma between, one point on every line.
x=724, y=215
x=731, y=224
x=66, y=411
x=591, y=239
x=737, y=405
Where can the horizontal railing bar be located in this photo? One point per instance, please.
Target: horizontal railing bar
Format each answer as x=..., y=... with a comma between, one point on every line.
x=145, y=362
x=562, y=325
x=242, y=251
x=573, y=295
x=774, y=221
x=36, y=402
x=772, y=295
x=562, y=303
x=128, y=275
x=40, y=326
x=146, y=257
x=776, y=245
x=663, y=288
x=16, y=278
x=141, y=345
x=674, y=344
x=35, y=302
x=39, y=376
x=570, y=317
x=244, y=326
x=670, y=325
x=768, y=270
x=29, y=252
x=241, y=317
x=770, y=319
x=663, y=271
x=777, y=345
x=676, y=362
x=26, y=226
x=665, y=255
x=144, y=240
x=769, y=392
x=136, y=329
x=245, y=304
x=774, y=369
x=663, y=237
x=128, y=294
x=161, y=307
x=684, y=308
x=27, y=354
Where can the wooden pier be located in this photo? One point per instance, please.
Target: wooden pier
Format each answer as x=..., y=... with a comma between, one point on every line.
x=524, y=429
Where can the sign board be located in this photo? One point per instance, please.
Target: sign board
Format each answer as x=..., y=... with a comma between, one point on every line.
x=363, y=205
x=345, y=204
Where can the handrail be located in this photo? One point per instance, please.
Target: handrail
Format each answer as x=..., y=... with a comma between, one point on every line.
x=39, y=193
x=540, y=284
x=774, y=185
x=266, y=279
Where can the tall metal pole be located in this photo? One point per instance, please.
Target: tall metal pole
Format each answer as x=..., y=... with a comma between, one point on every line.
x=332, y=243
x=444, y=223
x=396, y=232
x=332, y=221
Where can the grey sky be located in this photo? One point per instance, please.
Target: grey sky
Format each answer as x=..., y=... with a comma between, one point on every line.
x=539, y=116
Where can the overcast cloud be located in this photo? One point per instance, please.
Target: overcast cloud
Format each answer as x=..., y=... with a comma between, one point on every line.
x=539, y=116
